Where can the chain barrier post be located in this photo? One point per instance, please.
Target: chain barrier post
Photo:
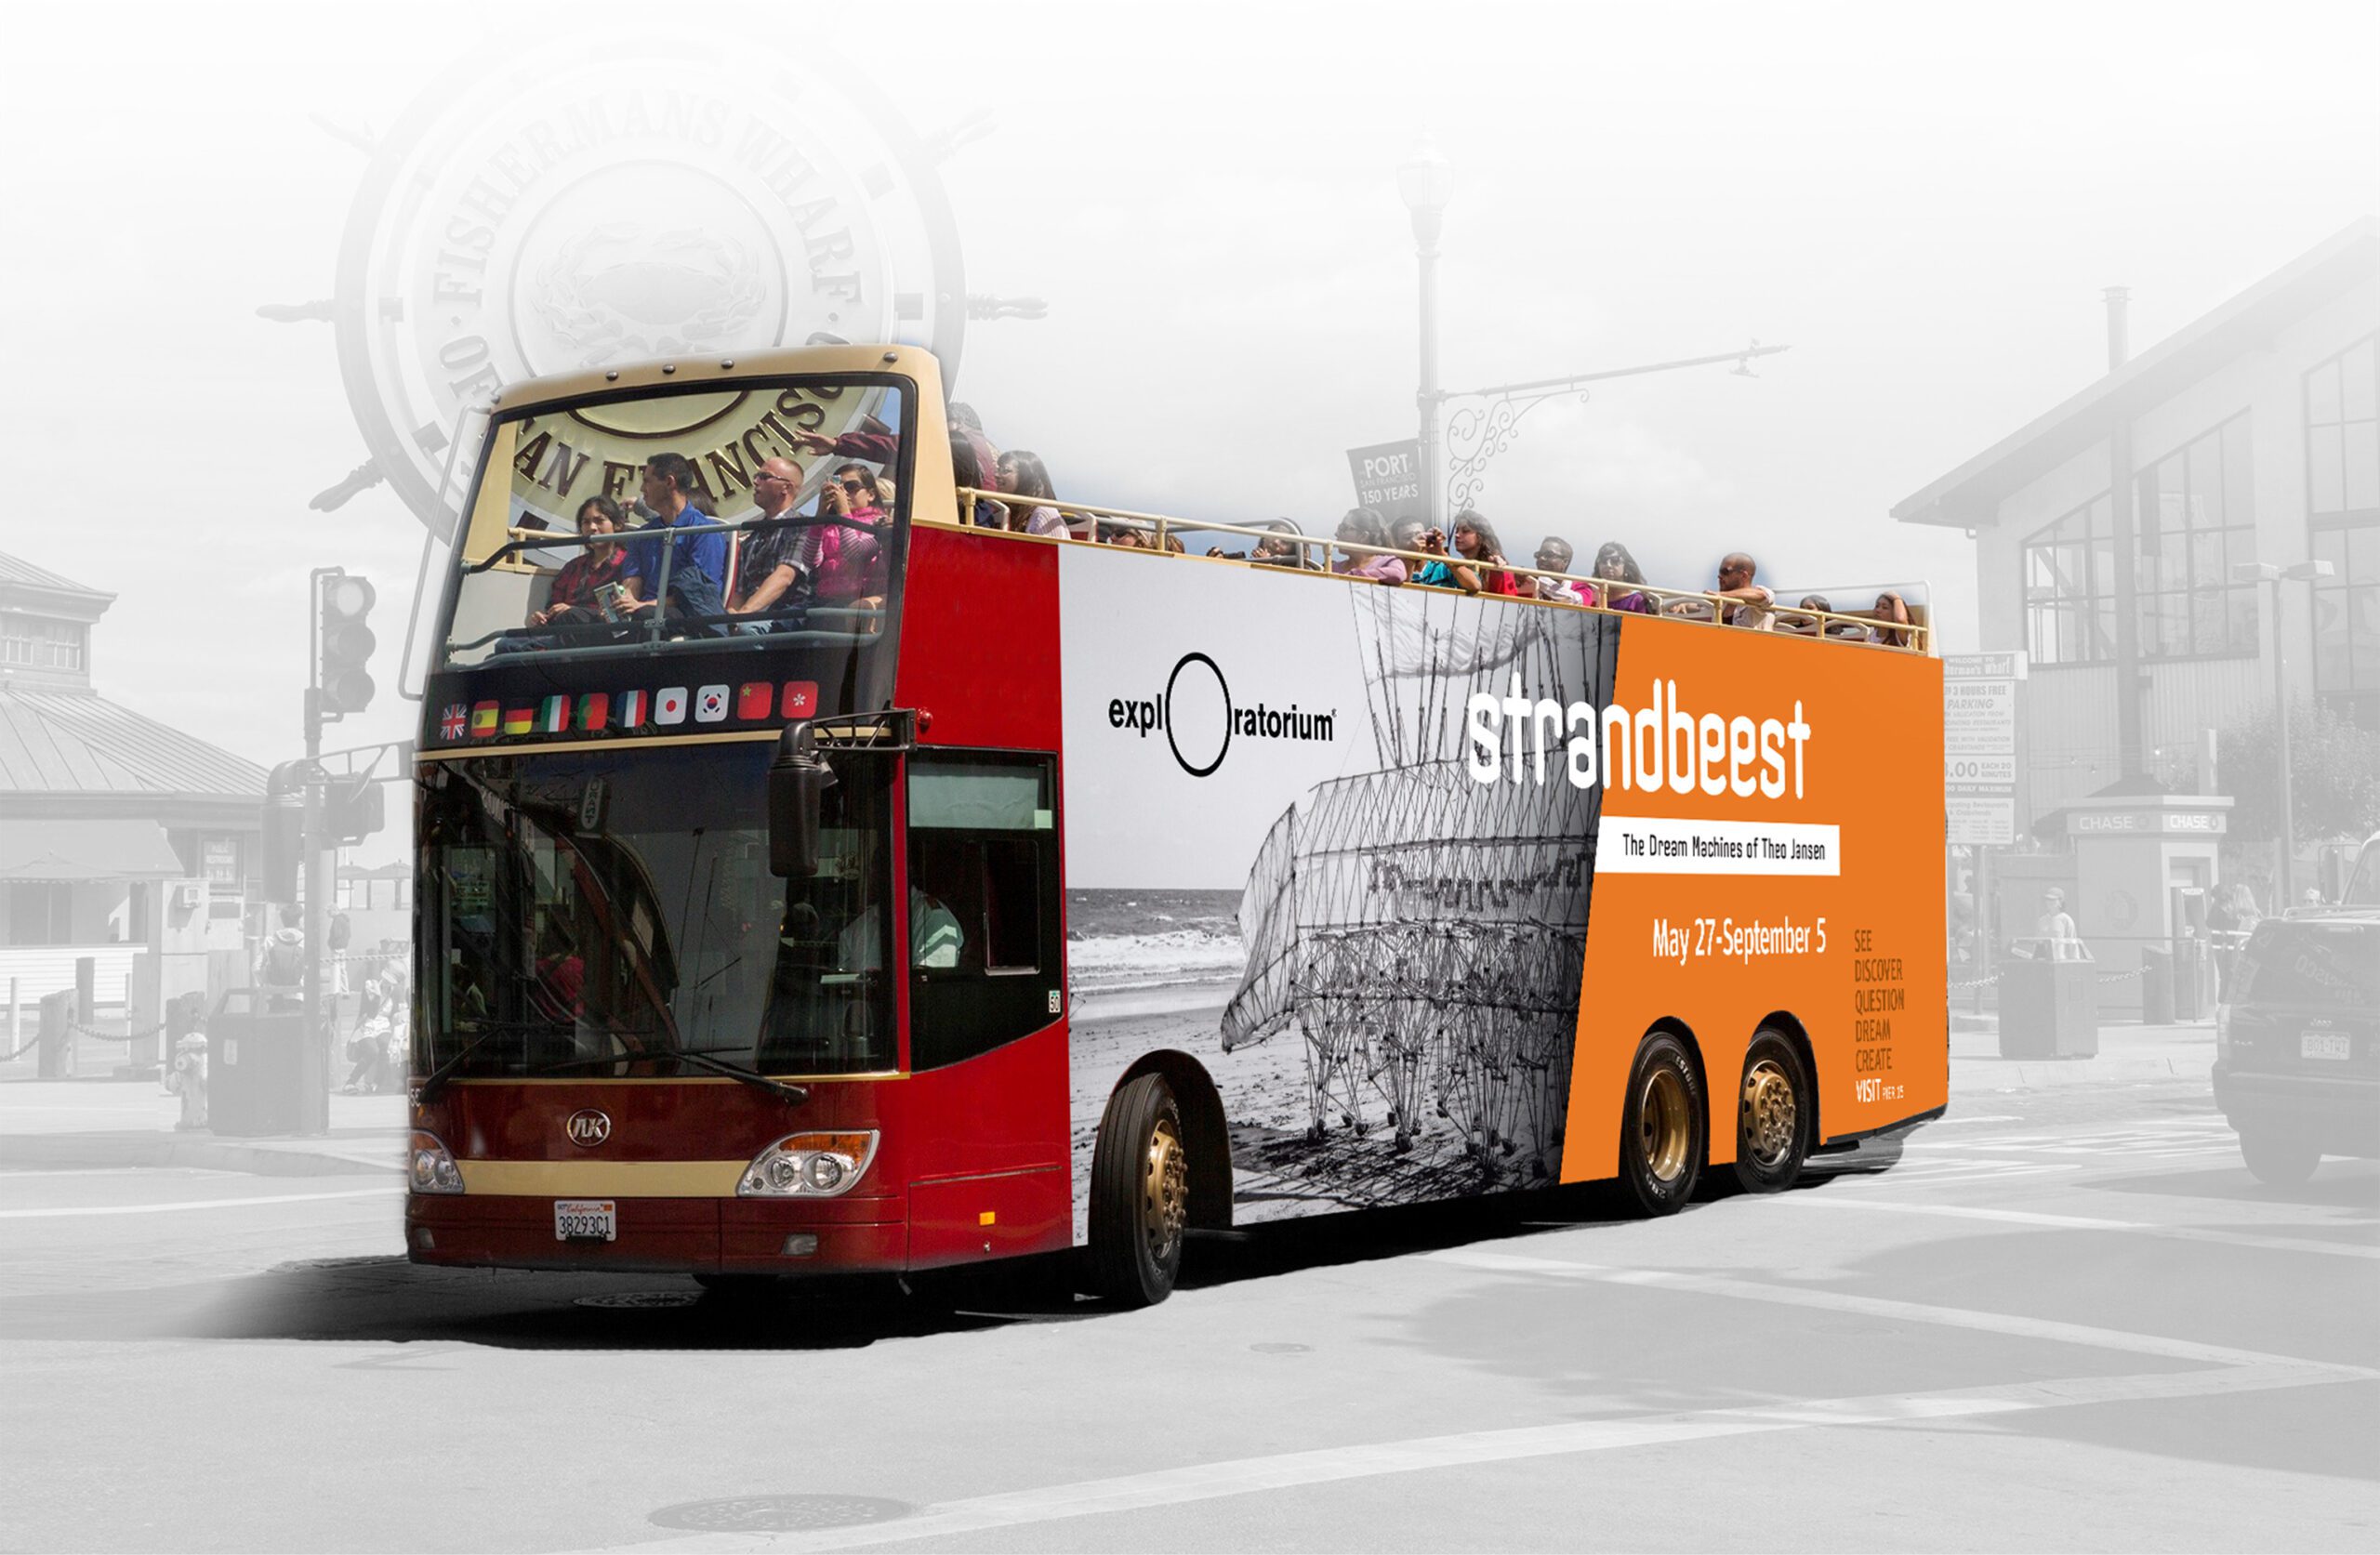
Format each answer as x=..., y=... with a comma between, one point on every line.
x=56, y=1034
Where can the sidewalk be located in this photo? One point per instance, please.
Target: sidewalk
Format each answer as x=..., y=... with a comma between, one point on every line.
x=2130, y=1054
x=130, y=1123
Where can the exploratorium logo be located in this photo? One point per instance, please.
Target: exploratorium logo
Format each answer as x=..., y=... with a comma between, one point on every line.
x=1200, y=720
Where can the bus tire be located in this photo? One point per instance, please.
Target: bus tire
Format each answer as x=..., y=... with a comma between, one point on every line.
x=1774, y=1115
x=1662, y=1124
x=1139, y=1194
x=2277, y=1157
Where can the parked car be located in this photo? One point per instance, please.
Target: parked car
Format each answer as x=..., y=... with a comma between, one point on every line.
x=2297, y=1047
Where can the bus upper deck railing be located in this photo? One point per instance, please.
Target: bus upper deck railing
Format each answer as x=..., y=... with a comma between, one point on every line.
x=1681, y=605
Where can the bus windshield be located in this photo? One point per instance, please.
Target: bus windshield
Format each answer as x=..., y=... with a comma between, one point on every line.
x=683, y=518
x=587, y=913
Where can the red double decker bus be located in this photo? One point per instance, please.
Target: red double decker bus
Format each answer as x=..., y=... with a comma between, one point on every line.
x=824, y=872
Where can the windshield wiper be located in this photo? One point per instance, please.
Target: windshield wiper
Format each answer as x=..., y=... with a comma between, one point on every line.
x=435, y=1081
x=701, y=1059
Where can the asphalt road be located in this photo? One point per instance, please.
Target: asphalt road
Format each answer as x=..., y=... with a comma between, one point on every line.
x=2063, y=1319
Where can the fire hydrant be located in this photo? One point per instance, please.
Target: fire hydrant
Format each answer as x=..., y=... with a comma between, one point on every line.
x=187, y=1079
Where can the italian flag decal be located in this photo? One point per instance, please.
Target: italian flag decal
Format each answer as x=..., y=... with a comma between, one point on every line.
x=553, y=715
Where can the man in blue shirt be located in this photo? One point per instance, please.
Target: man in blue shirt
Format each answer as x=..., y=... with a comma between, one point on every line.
x=697, y=563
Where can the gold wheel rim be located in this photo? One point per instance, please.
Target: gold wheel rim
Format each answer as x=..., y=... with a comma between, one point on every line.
x=1665, y=1126
x=1165, y=1192
x=1771, y=1113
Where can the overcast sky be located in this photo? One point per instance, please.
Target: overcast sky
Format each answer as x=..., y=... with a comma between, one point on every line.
x=1924, y=201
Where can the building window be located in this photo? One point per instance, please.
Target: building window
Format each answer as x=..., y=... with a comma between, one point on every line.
x=2194, y=521
x=2069, y=587
x=41, y=642
x=2342, y=508
x=41, y=913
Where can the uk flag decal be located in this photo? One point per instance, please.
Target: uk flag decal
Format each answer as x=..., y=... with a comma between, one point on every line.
x=454, y=721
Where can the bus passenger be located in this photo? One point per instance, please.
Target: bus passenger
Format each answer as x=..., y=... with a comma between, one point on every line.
x=777, y=562
x=1893, y=628
x=1480, y=569
x=577, y=596
x=851, y=561
x=967, y=475
x=1406, y=533
x=1023, y=476
x=1363, y=526
x=1807, y=625
x=873, y=442
x=1553, y=554
x=1741, y=602
x=1280, y=547
x=697, y=563
x=1615, y=566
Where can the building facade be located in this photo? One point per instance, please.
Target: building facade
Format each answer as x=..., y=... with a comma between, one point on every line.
x=119, y=836
x=2109, y=530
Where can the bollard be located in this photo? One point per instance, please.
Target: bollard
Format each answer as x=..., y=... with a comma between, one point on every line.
x=55, y=1034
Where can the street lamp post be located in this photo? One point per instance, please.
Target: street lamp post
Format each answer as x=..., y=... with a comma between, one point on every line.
x=1426, y=181
x=2267, y=573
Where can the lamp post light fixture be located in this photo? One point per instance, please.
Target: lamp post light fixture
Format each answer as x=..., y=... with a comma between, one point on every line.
x=1426, y=181
x=2271, y=577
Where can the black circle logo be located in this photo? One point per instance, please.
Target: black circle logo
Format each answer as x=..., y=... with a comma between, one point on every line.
x=1172, y=706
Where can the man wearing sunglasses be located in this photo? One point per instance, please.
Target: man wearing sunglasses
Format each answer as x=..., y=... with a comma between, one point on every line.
x=777, y=564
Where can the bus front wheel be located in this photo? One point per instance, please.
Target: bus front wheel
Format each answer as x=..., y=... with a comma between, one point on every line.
x=1139, y=1194
x=1662, y=1126
x=1773, y=1116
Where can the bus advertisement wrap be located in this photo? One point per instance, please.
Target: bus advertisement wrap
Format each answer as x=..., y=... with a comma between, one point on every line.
x=1411, y=795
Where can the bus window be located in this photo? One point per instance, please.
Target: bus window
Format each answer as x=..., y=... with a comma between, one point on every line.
x=982, y=904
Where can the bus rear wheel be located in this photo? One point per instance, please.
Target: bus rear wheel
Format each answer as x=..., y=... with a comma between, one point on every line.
x=1139, y=1194
x=1773, y=1116
x=1662, y=1126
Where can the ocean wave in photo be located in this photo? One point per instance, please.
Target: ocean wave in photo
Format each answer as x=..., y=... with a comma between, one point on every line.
x=1152, y=939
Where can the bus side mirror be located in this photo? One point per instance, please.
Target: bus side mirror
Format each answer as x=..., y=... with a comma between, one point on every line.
x=798, y=779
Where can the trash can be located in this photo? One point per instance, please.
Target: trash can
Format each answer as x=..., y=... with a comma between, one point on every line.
x=2047, y=1010
x=265, y=1075
x=2156, y=986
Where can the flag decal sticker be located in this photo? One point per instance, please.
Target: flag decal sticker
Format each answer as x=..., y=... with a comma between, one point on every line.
x=669, y=707
x=632, y=710
x=485, y=716
x=553, y=715
x=710, y=704
x=454, y=721
x=754, y=699
x=594, y=711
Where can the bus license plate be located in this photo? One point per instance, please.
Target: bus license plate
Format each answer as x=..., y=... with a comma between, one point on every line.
x=585, y=1220
x=2322, y=1045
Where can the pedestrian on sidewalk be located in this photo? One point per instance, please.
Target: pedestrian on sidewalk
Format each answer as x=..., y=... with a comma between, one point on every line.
x=2057, y=929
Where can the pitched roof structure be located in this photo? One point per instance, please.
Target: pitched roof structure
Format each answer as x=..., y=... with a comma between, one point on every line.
x=1969, y=494
x=54, y=742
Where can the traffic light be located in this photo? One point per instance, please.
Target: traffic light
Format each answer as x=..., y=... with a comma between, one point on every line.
x=353, y=808
x=284, y=830
x=343, y=643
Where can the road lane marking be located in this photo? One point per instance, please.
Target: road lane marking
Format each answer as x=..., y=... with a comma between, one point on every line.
x=2049, y=1330
x=196, y=1203
x=2224, y=1370
x=2093, y=1222
x=1208, y=1482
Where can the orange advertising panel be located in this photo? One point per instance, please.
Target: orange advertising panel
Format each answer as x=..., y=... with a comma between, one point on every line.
x=1768, y=854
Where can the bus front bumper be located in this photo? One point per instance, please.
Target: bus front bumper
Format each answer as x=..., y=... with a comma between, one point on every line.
x=663, y=1235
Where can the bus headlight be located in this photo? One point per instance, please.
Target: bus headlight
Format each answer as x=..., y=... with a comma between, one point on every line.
x=808, y=1166
x=431, y=1168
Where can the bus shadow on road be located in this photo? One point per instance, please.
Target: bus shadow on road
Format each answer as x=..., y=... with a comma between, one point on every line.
x=384, y=1298
x=2349, y=1185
